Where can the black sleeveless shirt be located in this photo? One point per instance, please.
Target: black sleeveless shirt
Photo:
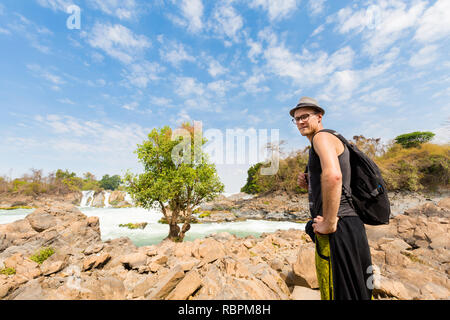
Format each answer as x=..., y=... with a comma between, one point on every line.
x=315, y=187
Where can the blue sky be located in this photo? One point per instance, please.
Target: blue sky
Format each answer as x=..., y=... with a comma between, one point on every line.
x=83, y=98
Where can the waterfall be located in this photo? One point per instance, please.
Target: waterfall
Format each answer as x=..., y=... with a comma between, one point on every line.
x=107, y=194
x=129, y=199
x=87, y=195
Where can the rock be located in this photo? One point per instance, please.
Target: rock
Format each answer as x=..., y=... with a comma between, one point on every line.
x=186, y=287
x=23, y=266
x=303, y=293
x=166, y=284
x=96, y=261
x=94, y=248
x=99, y=200
x=134, y=260
x=211, y=250
x=434, y=291
x=392, y=288
x=305, y=268
x=41, y=221
x=444, y=203
x=50, y=267
x=30, y=291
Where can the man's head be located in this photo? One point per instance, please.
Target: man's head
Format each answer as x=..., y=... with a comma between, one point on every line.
x=307, y=115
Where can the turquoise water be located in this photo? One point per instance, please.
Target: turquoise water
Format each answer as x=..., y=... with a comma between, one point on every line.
x=155, y=232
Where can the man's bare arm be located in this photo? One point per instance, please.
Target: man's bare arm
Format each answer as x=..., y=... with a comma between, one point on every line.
x=331, y=179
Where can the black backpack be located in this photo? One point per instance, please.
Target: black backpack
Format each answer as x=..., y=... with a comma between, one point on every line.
x=368, y=194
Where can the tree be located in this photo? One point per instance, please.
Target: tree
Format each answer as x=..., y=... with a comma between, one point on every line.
x=251, y=186
x=110, y=183
x=177, y=176
x=414, y=139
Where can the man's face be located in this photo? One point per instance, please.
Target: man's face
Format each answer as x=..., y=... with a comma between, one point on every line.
x=306, y=126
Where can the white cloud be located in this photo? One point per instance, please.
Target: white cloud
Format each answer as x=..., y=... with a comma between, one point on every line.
x=381, y=23
x=54, y=80
x=252, y=84
x=316, y=7
x=384, y=96
x=306, y=68
x=341, y=86
x=255, y=50
x=424, y=56
x=226, y=22
x=187, y=86
x=160, y=101
x=434, y=23
x=34, y=33
x=117, y=41
x=139, y=74
x=122, y=9
x=318, y=30
x=192, y=12
x=215, y=68
x=131, y=106
x=55, y=5
x=66, y=101
x=175, y=53
x=220, y=87
x=277, y=9
x=79, y=138
x=4, y=31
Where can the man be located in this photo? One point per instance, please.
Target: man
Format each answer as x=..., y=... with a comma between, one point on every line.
x=343, y=262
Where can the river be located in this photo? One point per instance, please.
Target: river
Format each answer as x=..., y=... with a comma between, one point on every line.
x=154, y=232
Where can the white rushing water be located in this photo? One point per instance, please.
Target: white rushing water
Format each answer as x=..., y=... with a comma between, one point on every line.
x=88, y=197
x=106, y=194
x=154, y=232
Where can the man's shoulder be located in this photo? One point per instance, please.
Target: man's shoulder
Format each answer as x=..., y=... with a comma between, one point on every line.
x=326, y=139
x=323, y=136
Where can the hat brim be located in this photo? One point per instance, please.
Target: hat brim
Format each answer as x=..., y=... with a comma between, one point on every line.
x=306, y=105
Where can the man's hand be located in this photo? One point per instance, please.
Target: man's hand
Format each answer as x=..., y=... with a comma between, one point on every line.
x=322, y=226
x=302, y=180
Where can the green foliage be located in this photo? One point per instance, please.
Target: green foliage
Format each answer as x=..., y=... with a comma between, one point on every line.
x=8, y=271
x=414, y=139
x=110, y=182
x=132, y=226
x=251, y=187
x=16, y=208
x=43, y=255
x=61, y=175
x=91, y=185
x=59, y=182
x=424, y=166
x=205, y=214
x=174, y=185
x=414, y=169
x=285, y=179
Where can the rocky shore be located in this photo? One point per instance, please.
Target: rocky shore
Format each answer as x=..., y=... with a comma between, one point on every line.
x=411, y=255
x=279, y=206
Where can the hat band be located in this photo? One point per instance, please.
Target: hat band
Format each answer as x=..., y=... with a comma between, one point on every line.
x=307, y=105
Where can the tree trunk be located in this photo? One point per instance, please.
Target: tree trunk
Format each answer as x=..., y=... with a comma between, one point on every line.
x=185, y=228
x=174, y=232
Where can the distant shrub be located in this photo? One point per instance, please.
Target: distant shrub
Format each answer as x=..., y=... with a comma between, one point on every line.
x=414, y=139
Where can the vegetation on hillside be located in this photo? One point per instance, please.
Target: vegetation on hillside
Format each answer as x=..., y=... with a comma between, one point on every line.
x=57, y=183
x=422, y=167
